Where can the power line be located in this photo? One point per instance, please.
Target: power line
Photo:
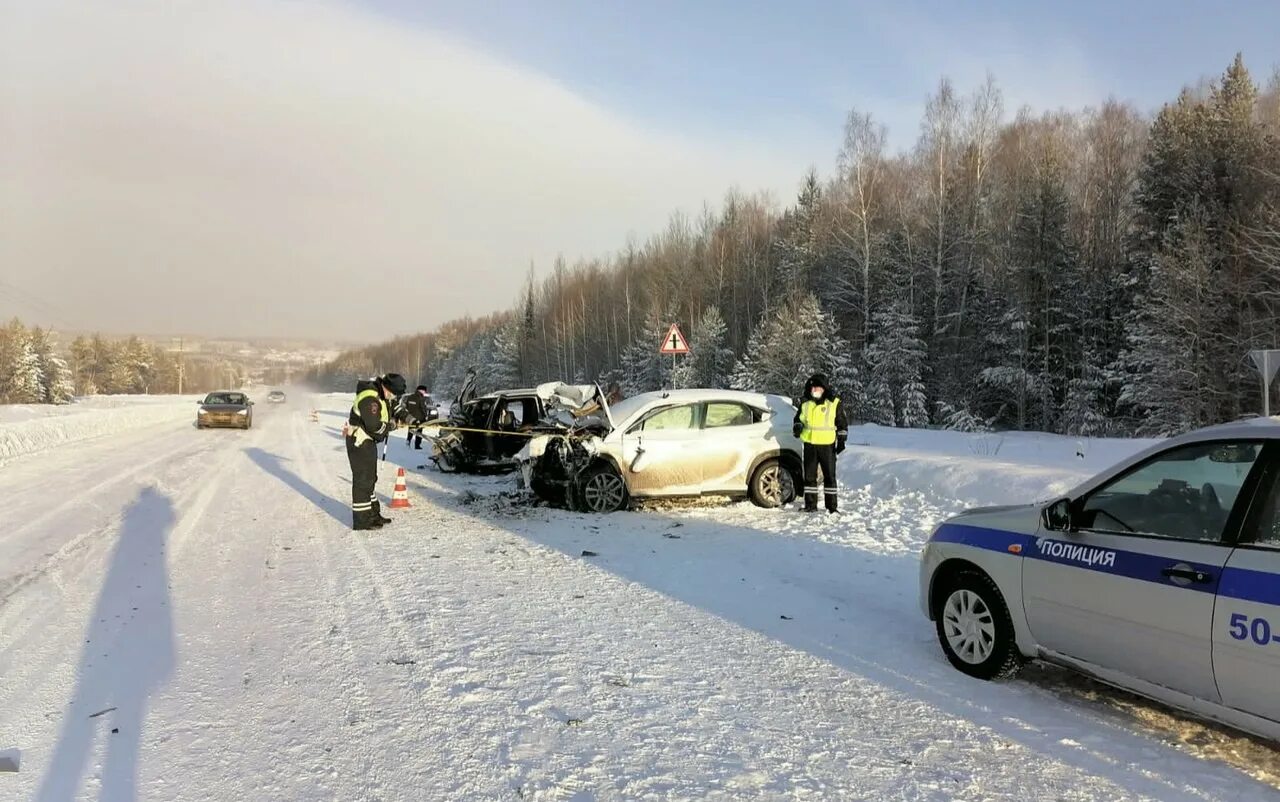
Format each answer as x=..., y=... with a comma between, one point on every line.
x=26, y=298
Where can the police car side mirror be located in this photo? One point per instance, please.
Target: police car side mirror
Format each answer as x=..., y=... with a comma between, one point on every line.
x=1057, y=516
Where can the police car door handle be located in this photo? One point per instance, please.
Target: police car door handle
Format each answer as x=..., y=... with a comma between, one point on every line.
x=1189, y=574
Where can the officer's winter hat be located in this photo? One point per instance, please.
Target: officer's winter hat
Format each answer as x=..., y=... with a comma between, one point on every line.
x=817, y=380
x=394, y=382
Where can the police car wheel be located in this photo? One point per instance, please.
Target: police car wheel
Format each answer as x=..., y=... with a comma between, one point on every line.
x=975, y=629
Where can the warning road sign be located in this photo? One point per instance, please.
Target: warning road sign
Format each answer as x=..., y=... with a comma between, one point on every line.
x=675, y=343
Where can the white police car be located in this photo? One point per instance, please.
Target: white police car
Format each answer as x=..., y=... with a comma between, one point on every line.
x=1161, y=576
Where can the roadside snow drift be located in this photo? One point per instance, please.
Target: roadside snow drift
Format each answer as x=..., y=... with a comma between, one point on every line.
x=26, y=429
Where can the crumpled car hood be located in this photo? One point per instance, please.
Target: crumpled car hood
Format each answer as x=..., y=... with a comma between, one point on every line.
x=565, y=402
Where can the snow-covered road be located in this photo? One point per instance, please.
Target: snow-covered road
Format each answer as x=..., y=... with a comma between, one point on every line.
x=202, y=589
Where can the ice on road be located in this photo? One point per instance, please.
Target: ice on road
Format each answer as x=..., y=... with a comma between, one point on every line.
x=185, y=615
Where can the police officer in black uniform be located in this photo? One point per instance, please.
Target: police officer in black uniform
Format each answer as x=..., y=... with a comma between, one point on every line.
x=415, y=433
x=369, y=424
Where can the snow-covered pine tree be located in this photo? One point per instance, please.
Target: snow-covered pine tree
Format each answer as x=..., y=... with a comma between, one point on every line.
x=1007, y=388
x=895, y=369
x=82, y=366
x=479, y=354
x=960, y=419
x=1082, y=412
x=506, y=358
x=55, y=378
x=1178, y=378
x=711, y=362
x=20, y=379
x=105, y=357
x=1200, y=298
x=138, y=364
x=8, y=360
x=643, y=368
x=1046, y=285
x=877, y=407
x=797, y=246
x=796, y=341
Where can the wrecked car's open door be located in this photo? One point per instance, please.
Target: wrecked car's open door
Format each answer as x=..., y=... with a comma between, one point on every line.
x=467, y=391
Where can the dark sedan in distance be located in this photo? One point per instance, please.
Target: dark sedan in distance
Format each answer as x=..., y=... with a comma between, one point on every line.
x=225, y=409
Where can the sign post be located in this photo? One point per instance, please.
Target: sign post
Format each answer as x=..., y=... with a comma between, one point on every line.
x=675, y=344
x=1268, y=362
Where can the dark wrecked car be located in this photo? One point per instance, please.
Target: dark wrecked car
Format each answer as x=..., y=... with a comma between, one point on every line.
x=484, y=433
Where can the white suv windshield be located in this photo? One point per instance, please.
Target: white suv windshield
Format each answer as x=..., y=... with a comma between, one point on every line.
x=623, y=411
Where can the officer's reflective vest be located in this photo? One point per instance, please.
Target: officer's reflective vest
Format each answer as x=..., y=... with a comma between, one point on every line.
x=358, y=432
x=362, y=395
x=819, y=419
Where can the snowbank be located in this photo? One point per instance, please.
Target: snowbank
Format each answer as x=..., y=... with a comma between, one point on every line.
x=26, y=429
x=976, y=469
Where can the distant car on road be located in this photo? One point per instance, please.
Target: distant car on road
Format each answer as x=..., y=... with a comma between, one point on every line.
x=226, y=410
x=1161, y=575
x=275, y=397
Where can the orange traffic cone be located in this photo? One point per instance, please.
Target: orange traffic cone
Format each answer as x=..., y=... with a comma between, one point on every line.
x=400, y=496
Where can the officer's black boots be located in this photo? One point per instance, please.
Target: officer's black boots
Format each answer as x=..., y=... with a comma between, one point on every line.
x=363, y=521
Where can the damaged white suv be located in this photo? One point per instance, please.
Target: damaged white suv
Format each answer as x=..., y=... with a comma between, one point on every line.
x=668, y=444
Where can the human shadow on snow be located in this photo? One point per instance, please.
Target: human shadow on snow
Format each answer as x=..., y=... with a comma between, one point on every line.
x=128, y=654
x=814, y=585
x=274, y=465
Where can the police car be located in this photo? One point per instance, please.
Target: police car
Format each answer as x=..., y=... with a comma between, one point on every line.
x=1161, y=576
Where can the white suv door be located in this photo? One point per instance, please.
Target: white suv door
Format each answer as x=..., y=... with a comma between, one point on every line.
x=1132, y=588
x=658, y=452
x=1246, y=625
x=732, y=434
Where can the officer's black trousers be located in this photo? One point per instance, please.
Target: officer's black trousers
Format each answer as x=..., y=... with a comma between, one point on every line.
x=820, y=457
x=364, y=477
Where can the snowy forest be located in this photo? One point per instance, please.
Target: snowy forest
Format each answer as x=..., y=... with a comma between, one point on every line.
x=34, y=370
x=1102, y=271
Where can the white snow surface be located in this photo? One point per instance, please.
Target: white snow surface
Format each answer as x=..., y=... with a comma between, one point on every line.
x=184, y=615
x=29, y=428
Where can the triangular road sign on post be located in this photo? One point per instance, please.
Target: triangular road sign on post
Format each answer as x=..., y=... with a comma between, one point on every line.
x=675, y=343
x=1268, y=363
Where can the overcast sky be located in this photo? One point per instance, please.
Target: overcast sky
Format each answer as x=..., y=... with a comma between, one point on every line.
x=263, y=167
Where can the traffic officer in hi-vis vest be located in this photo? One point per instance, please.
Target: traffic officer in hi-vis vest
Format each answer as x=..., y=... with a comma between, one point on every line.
x=369, y=424
x=820, y=424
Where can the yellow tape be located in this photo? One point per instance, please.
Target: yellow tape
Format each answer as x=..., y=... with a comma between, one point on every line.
x=441, y=427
